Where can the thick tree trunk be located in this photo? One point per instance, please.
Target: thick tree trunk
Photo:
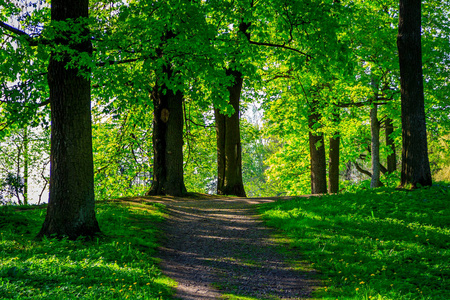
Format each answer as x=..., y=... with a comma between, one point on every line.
x=375, y=147
x=415, y=164
x=71, y=210
x=229, y=151
x=317, y=155
x=391, y=158
x=168, y=178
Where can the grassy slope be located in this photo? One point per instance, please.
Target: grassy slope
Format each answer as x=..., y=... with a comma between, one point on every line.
x=119, y=265
x=373, y=244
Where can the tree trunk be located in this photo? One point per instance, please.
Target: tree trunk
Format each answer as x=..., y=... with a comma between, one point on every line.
x=415, y=164
x=25, y=166
x=375, y=147
x=317, y=155
x=391, y=158
x=229, y=152
x=333, y=165
x=168, y=119
x=71, y=210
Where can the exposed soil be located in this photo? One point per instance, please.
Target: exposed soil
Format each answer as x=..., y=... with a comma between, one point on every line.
x=218, y=245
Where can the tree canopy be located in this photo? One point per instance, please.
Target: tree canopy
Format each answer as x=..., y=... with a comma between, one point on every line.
x=314, y=73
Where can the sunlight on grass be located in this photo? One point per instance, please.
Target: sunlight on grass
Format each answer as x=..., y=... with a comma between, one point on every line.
x=119, y=265
x=373, y=244
x=236, y=297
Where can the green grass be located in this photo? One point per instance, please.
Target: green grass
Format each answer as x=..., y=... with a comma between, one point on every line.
x=372, y=244
x=118, y=265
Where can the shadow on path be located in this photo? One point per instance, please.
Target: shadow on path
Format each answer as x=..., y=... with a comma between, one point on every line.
x=220, y=246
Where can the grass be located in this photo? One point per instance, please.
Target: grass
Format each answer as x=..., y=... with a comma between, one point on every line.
x=118, y=265
x=372, y=244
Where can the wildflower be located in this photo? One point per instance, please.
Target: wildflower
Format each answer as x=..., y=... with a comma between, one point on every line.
x=345, y=279
x=90, y=287
x=417, y=235
x=356, y=289
x=372, y=274
x=362, y=282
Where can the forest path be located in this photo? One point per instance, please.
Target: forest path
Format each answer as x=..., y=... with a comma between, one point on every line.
x=218, y=245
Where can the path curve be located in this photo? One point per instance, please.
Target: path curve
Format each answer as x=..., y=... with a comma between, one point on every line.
x=219, y=245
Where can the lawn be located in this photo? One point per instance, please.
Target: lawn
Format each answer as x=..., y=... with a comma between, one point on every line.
x=118, y=265
x=371, y=244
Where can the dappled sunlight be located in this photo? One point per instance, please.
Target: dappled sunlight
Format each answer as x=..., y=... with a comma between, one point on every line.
x=224, y=244
x=370, y=244
x=119, y=265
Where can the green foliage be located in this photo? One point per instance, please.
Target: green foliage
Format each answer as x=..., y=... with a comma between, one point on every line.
x=123, y=153
x=382, y=244
x=119, y=265
x=200, y=156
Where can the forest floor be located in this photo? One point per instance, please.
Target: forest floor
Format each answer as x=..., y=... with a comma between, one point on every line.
x=217, y=247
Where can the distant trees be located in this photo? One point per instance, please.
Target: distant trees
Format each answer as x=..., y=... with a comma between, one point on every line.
x=324, y=74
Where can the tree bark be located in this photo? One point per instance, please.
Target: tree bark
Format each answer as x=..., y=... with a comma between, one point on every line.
x=375, y=147
x=333, y=164
x=317, y=154
x=229, y=150
x=391, y=158
x=415, y=164
x=26, y=159
x=168, y=178
x=71, y=206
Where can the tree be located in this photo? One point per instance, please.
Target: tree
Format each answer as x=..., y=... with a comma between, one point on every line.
x=375, y=146
x=333, y=163
x=415, y=164
x=317, y=151
x=229, y=150
x=167, y=139
x=389, y=141
x=71, y=207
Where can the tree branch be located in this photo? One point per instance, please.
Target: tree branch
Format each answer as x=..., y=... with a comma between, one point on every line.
x=309, y=57
x=361, y=170
x=13, y=29
x=18, y=32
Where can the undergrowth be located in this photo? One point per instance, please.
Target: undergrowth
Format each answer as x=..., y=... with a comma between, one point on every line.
x=117, y=265
x=372, y=244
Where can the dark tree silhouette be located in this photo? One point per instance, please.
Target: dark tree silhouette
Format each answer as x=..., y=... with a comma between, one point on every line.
x=415, y=164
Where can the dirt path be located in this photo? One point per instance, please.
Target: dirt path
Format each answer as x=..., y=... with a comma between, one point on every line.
x=219, y=246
